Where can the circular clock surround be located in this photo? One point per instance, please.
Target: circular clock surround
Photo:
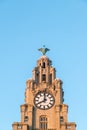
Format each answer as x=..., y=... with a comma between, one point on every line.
x=44, y=100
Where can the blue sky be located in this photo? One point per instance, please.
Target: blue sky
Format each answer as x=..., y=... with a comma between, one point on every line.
x=27, y=25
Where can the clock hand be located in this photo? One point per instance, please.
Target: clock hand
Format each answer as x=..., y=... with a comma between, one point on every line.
x=45, y=95
x=40, y=102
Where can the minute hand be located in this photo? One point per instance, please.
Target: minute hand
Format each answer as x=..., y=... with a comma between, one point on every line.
x=45, y=99
x=40, y=102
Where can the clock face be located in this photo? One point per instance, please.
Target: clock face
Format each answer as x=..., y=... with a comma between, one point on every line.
x=44, y=100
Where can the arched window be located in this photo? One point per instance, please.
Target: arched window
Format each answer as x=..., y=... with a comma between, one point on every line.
x=43, y=122
x=43, y=65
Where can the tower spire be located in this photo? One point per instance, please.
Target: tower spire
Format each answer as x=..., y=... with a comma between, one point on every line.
x=44, y=50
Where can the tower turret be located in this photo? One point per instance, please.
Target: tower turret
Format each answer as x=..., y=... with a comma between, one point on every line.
x=44, y=107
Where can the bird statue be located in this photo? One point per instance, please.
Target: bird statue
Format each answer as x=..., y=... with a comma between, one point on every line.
x=44, y=50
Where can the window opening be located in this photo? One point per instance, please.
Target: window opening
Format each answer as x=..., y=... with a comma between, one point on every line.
x=19, y=127
x=43, y=122
x=43, y=77
x=25, y=118
x=50, y=78
x=37, y=76
x=61, y=119
x=43, y=65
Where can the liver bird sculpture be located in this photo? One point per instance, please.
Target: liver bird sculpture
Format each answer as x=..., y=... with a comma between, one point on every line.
x=44, y=50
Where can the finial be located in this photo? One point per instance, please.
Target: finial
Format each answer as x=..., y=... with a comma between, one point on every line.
x=44, y=50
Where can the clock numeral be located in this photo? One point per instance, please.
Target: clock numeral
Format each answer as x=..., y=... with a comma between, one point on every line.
x=51, y=100
x=41, y=94
x=41, y=106
x=46, y=106
x=38, y=105
x=51, y=103
x=38, y=96
x=36, y=99
x=36, y=102
x=49, y=96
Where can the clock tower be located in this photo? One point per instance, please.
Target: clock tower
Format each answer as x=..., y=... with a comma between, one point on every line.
x=44, y=96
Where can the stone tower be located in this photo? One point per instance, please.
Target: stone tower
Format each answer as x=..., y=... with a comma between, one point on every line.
x=44, y=108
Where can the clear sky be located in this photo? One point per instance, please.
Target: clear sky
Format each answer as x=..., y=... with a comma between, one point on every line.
x=25, y=26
